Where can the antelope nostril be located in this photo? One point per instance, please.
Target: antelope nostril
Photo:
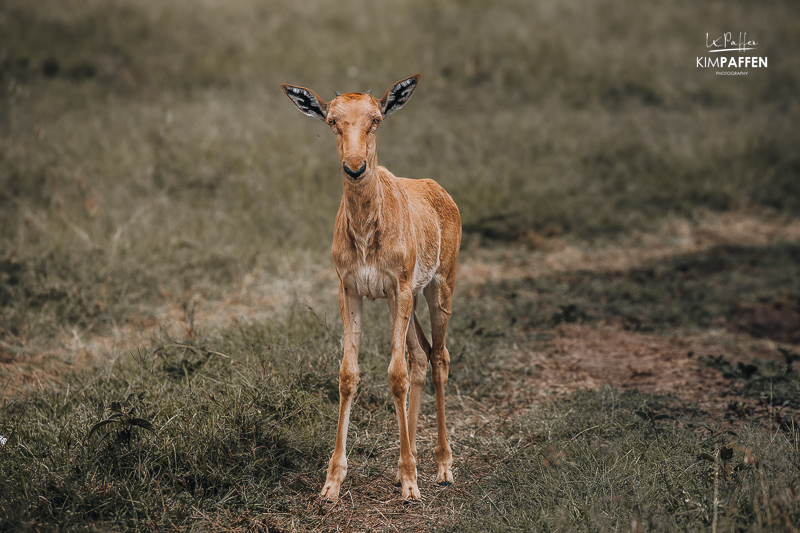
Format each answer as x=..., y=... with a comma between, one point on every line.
x=355, y=173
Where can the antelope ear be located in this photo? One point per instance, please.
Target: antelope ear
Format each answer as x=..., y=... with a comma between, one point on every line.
x=398, y=94
x=306, y=101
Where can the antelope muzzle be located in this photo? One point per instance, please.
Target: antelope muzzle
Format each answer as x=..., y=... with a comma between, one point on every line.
x=355, y=174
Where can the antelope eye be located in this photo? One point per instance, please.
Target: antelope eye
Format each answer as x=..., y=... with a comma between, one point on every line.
x=331, y=122
x=376, y=121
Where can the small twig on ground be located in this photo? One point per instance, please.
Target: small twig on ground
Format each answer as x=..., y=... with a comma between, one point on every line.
x=716, y=493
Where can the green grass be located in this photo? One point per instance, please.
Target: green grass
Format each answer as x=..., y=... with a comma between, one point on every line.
x=148, y=159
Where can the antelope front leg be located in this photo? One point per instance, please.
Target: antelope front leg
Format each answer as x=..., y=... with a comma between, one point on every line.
x=350, y=309
x=401, y=308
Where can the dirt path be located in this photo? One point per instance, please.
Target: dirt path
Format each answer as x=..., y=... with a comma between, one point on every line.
x=589, y=356
x=536, y=255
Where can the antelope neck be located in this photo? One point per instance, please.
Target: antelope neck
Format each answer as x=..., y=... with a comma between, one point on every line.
x=362, y=200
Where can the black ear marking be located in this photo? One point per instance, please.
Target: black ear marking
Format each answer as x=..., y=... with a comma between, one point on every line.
x=398, y=94
x=306, y=101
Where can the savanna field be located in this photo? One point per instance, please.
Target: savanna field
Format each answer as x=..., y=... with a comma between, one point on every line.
x=625, y=337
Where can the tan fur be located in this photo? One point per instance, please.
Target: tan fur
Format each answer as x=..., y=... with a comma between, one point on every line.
x=393, y=238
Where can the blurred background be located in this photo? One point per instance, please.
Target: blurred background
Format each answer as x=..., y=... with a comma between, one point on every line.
x=631, y=222
x=147, y=152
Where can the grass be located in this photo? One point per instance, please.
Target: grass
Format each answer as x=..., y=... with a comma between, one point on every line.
x=604, y=461
x=243, y=418
x=228, y=431
x=149, y=162
x=160, y=144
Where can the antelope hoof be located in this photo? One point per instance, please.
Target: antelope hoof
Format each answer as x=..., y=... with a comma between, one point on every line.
x=329, y=494
x=411, y=493
x=445, y=476
x=326, y=503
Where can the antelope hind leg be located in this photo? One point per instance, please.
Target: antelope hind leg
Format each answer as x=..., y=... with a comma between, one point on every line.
x=439, y=297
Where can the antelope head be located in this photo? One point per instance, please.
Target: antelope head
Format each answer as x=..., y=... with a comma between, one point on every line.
x=354, y=119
